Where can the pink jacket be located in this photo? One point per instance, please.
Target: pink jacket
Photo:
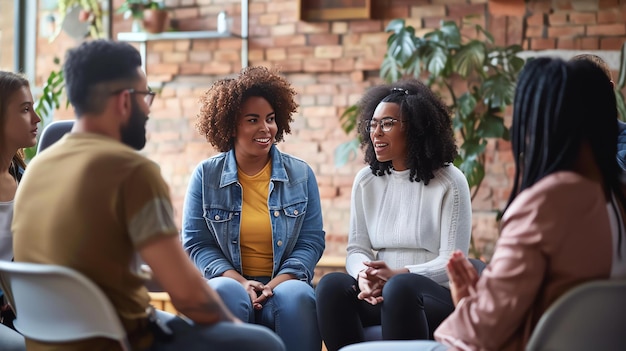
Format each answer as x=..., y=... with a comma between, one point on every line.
x=555, y=235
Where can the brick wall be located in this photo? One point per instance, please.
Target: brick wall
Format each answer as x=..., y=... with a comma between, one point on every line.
x=575, y=25
x=330, y=64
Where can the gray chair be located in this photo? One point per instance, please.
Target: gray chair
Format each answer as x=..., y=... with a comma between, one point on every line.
x=591, y=316
x=375, y=332
x=58, y=304
x=53, y=132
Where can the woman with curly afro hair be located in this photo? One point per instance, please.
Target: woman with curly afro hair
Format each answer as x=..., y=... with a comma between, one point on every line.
x=410, y=210
x=252, y=220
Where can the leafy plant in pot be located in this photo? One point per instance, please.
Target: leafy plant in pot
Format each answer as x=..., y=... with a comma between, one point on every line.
x=155, y=18
x=148, y=14
x=89, y=11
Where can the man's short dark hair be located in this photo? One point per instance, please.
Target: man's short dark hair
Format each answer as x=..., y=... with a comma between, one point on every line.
x=89, y=67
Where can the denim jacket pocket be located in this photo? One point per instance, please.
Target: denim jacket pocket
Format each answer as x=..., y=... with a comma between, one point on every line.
x=219, y=220
x=295, y=210
x=294, y=215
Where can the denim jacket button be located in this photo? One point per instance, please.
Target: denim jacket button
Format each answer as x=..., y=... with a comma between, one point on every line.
x=276, y=213
x=279, y=243
x=295, y=212
x=217, y=218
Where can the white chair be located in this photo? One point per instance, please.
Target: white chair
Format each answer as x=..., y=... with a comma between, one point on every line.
x=58, y=304
x=53, y=132
x=591, y=316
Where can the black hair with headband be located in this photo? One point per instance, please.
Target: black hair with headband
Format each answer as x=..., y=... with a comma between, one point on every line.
x=427, y=124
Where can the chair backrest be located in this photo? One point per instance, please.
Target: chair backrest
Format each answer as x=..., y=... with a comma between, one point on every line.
x=53, y=132
x=591, y=316
x=57, y=304
x=478, y=265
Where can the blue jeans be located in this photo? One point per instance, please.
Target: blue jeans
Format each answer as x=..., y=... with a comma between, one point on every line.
x=220, y=336
x=290, y=312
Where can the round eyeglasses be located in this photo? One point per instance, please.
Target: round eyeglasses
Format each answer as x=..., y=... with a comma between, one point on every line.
x=148, y=95
x=386, y=124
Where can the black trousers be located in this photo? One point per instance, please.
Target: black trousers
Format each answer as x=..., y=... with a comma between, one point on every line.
x=413, y=308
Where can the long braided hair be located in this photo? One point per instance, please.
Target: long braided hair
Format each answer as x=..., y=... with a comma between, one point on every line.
x=558, y=107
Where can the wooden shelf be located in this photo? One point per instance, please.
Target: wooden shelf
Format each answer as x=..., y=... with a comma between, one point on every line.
x=324, y=10
x=143, y=37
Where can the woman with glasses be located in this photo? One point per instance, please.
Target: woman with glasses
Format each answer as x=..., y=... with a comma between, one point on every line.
x=410, y=210
x=252, y=220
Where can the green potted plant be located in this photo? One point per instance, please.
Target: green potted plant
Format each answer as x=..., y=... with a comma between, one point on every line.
x=148, y=14
x=132, y=8
x=155, y=17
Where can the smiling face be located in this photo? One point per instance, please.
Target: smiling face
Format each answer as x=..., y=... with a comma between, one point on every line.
x=20, y=129
x=256, y=129
x=391, y=145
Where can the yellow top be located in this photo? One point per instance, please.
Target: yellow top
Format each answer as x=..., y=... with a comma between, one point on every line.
x=256, y=228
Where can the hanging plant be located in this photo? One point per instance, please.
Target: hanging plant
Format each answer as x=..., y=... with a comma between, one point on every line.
x=90, y=12
x=135, y=8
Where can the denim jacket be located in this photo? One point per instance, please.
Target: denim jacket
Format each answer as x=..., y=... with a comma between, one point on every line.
x=212, y=209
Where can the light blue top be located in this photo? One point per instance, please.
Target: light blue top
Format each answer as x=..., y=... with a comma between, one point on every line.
x=7, y=251
x=212, y=209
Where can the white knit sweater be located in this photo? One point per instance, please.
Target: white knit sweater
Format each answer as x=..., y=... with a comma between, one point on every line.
x=409, y=224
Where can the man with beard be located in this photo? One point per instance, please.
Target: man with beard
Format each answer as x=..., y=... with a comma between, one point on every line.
x=90, y=202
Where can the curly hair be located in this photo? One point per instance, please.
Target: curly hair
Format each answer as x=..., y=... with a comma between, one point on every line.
x=221, y=104
x=428, y=128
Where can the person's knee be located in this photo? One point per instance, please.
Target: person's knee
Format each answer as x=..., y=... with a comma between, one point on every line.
x=228, y=336
x=335, y=282
x=295, y=291
x=227, y=286
x=265, y=339
x=234, y=296
x=404, y=287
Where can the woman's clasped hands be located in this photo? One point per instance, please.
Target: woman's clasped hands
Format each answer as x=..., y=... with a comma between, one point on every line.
x=372, y=279
x=259, y=292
